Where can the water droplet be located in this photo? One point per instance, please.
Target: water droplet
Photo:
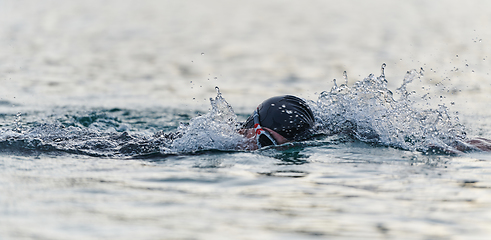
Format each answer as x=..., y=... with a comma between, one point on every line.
x=272, y=104
x=17, y=121
x=345, y=76
x=190, y=81
x=457, y=55
x=202, y=54
x=453, y=103
x=216, y=77
x=283, y=106
x=383, y=70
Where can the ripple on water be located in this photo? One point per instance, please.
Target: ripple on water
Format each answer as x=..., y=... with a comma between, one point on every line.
x=367, y=112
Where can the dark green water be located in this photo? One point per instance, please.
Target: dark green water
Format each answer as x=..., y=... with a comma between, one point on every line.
x=114, y=173
x=107, y=130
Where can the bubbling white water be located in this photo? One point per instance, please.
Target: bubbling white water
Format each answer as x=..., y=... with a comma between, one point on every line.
x=369, y=111
x=366, y=111
x=215, y=130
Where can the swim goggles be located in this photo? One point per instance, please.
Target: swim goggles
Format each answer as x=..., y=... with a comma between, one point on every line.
x=263, y=137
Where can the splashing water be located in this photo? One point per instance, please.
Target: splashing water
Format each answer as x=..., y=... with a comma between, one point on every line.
x=215, y=130
x=367, y=111
x=96, y=135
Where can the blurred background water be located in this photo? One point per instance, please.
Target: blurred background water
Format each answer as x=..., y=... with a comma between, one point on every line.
x=145, y=66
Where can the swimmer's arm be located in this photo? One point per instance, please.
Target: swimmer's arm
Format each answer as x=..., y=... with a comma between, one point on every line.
x=480, y=143
x=476, y=144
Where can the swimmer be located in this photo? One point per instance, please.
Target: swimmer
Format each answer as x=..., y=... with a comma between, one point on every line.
x=287, y=118
x=276, y=121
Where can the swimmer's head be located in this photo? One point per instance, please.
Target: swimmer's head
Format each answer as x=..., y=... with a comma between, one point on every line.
x=287, y=115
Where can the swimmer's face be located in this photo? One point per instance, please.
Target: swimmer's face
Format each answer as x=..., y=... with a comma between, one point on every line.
x=251, y=135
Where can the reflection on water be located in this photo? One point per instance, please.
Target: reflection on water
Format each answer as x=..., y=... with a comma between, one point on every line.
x=107, y=132
x=105, y=173
x=349, y=189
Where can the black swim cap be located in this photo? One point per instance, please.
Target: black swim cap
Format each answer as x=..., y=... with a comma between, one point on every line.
x=287, y=115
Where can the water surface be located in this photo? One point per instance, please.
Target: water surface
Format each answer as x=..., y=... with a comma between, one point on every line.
x=91, y=93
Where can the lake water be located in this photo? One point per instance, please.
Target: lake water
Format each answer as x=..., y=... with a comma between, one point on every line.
x=90, y=92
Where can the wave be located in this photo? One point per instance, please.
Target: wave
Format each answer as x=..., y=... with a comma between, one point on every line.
x=369, y=111
x=366, y=111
